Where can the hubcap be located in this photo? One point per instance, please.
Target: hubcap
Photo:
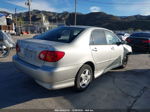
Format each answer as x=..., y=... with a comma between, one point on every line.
x=85, y=78
x=3, y=51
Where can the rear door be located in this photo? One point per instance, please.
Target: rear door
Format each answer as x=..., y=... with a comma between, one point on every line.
x=116, y=52
x=100, y=50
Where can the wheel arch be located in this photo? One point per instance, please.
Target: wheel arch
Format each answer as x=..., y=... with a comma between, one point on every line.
x=91, y=64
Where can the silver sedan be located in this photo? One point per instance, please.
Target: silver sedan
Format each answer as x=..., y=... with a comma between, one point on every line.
x=70, y=56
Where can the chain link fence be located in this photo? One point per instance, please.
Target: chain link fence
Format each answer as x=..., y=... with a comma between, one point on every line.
x=25, y=27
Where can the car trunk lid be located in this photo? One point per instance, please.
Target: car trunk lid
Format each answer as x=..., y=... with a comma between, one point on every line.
x=139, y=40
x=31, y=48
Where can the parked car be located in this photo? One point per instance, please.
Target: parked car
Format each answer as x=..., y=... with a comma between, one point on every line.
x=140, y=41
x=6, y=43
x=70, y=56
x=123, y=36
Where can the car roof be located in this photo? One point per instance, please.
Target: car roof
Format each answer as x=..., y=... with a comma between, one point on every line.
x=85, y=27
x=141, y=33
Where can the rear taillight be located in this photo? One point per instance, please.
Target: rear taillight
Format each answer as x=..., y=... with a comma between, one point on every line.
x=146, y=41
x=128, y=40
x=17, y=48
x=51, y=56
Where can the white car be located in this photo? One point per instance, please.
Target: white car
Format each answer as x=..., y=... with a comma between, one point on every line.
x=70, y=56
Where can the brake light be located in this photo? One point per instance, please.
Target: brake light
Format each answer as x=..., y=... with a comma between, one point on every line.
x=128, y=40
x=17, y=48
x=51, y=56
x=146, y=41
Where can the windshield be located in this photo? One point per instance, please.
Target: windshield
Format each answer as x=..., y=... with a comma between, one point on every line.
x=141, y=35
x=61, y=34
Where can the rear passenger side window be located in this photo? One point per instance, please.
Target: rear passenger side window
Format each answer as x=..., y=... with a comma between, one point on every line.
x=98, y=38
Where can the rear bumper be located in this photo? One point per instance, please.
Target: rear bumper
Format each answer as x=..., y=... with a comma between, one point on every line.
x=48, y=77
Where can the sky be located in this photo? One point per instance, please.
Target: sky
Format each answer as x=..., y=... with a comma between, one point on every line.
x=114, y=7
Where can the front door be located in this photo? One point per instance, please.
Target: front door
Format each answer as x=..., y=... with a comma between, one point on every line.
x=116, y=50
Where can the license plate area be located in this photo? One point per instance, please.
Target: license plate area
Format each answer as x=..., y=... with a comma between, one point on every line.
x=28, y=53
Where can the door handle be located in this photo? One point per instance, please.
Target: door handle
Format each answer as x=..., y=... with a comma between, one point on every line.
x=94, y=49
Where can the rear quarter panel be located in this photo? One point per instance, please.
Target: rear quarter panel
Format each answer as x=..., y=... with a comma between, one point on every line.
x=76, y=54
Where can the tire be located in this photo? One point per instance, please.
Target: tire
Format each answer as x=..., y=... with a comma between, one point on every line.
x=83, y=78
x=4, y=52
x=124, y=62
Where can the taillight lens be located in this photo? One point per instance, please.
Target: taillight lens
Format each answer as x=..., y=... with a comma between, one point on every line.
x=146, y=41
x=17, y=48
x=51, y=56
x=128, y=40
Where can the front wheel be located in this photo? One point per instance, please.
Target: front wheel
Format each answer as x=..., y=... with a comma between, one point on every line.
x=124, y=61
x=83, y=78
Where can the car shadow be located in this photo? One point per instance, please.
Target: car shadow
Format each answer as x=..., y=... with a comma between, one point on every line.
x=17, y=88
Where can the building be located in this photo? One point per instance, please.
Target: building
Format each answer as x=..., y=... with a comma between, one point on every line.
x=6, y=23
x=3, y=19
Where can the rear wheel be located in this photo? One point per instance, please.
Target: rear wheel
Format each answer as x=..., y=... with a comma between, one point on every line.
x=84, y=77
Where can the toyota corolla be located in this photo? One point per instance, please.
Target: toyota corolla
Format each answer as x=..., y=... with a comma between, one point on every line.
x=70, y=56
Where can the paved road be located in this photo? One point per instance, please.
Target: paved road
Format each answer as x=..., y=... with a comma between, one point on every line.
x=118, y=89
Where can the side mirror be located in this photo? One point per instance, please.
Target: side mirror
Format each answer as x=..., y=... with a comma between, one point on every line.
x=124, y=42
x=119, y=43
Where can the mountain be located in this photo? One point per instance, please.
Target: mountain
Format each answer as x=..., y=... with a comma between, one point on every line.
x=4, y=12
x=100, y=19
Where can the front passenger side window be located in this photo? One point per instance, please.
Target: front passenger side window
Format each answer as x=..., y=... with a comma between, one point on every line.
x=111, y=38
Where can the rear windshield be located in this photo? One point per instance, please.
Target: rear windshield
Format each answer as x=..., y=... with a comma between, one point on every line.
x=141, y=35
x=61, y=34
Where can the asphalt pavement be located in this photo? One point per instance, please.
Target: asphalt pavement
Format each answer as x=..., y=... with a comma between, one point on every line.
x=123, y=89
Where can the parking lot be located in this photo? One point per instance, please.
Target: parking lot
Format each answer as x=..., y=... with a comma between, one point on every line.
x=124, y=89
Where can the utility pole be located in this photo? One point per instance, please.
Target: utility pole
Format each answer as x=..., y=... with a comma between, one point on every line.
x=29, y=10
x=28, y=3
x=75, y=13
x=16, y=21
x=16, y=17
